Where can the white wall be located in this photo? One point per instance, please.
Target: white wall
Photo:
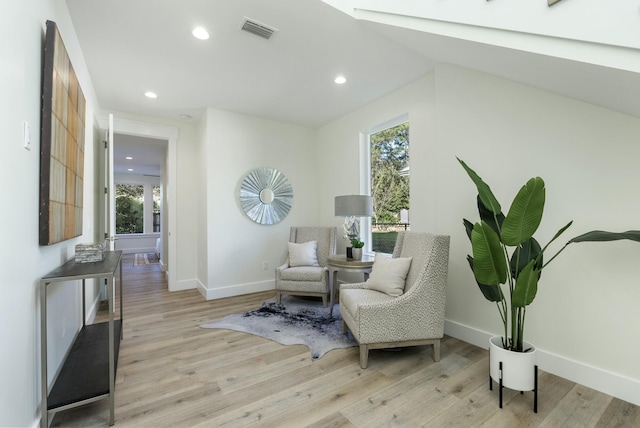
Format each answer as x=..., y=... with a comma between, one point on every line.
x=585, y=317
x=587, y=155
x=22, y=261
x=338, y=150
x=237, y=246
x=186, y=200
x=202, y=207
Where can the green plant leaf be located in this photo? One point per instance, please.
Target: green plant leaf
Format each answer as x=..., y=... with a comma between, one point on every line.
x=489, y=263
x=558, y=233
x=468, y=226
x=528, y=251
x=597, y=236
x=526, y=286
x=484, y=191
x=490, y=292
x=489, y=217
x=602, y=236
x=525, y=213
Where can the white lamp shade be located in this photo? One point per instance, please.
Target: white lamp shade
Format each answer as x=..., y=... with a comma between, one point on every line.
x=353, y=205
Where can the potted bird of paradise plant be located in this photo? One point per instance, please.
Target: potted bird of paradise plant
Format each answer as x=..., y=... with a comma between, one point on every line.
x=507, y=263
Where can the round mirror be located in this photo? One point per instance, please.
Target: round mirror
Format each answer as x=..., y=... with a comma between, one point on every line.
x=266, y=196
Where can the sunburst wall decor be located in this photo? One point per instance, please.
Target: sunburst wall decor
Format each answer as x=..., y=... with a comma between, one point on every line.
x=266, y=196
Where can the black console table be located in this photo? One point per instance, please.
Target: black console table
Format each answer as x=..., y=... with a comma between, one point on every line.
x=88, y=372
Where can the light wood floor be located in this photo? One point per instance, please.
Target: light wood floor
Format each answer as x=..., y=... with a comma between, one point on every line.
x=171, y=373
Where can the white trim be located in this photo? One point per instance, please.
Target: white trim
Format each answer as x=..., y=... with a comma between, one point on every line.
x=391, y=123
x=365, y=187
x=235, y=290
x=201, y=289
x=93, y=310
x=185, y=284
x=130, y=236
x=138, y=250
x=610, y=383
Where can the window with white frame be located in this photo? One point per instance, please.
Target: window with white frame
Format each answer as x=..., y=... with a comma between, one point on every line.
x=138, y=208
x=386, y=166
x=157, y=202
x=129, y=208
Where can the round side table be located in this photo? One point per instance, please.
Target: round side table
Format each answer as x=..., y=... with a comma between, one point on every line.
x=339, y=262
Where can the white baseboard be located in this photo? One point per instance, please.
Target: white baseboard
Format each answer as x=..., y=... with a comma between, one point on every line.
x=185, y=284
x=91, y=313
x=202, y=289
x=234, y=290
x=610, y=383
x=138, y=250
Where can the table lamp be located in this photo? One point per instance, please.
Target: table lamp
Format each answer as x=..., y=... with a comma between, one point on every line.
x=350, y=207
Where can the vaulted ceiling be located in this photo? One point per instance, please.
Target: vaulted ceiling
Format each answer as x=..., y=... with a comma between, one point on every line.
x=146, y=45
x=132, y=47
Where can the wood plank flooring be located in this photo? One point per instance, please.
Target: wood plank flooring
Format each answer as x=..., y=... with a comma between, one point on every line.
x=171, y=373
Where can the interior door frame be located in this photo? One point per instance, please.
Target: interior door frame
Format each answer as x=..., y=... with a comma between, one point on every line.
x=170, y=134
x=110, y=198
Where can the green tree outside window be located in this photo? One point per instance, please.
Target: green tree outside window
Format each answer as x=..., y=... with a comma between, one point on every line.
x=389, y=181
x=129, y=208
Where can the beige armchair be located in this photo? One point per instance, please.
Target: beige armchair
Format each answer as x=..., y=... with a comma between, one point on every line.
x=295, y=277
x=378, y=320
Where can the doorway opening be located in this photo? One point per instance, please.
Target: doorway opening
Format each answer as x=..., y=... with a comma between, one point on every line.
x=168, y=135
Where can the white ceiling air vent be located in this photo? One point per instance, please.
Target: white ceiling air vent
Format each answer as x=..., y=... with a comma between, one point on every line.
x=257, y=28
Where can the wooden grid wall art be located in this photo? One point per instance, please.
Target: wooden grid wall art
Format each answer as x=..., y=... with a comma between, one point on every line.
x=61, y=144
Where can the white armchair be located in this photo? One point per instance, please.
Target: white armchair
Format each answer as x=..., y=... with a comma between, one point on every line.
x=378, y=320
x=302, y=278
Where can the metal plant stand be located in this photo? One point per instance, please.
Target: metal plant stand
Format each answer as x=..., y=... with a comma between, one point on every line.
x=535, y=387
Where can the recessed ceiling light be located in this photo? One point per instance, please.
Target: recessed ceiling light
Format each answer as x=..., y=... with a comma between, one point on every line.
x=200, y=33
x=128, y=158
x=150, y=94
x=340, y=80
x=130, y=169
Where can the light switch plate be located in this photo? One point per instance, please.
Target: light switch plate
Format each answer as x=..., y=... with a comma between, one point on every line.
x=26, y=132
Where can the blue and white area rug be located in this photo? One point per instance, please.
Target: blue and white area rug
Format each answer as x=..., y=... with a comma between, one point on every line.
x=296, y=321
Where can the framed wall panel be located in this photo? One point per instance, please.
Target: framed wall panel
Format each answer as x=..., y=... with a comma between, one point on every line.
x=61, y=144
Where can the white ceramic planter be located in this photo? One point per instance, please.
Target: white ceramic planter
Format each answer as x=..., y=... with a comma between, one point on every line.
x=518, y=368
x=357, y=253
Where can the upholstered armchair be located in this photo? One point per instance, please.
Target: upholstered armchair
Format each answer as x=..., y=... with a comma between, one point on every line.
x=383, y=316
x=305, y=272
